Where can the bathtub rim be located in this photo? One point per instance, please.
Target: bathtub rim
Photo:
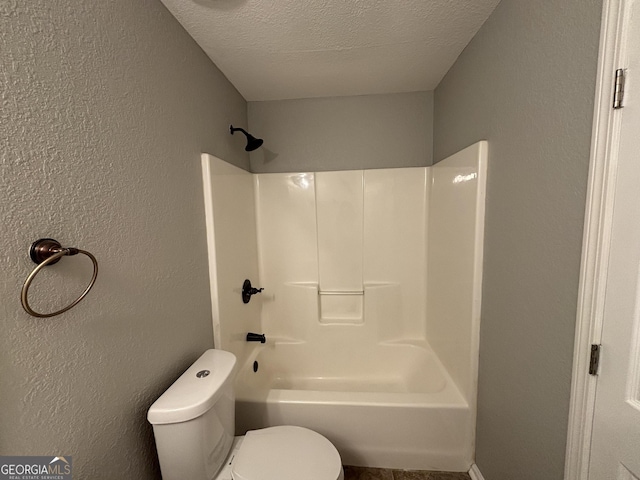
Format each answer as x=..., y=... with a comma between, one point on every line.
x=449, y=396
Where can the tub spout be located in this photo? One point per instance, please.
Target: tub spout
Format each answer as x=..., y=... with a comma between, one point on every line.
x=256, y=337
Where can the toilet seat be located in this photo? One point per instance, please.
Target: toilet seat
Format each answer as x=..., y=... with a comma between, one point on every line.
x=286, y=453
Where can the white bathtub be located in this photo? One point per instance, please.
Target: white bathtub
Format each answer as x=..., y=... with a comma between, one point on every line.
x=388, y=405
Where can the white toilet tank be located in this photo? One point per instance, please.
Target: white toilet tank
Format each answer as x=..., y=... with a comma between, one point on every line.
x=193, y=421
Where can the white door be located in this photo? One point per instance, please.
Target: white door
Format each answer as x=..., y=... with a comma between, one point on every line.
x=615, y=448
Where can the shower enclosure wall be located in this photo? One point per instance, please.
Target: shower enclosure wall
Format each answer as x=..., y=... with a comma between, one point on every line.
x=371, y=304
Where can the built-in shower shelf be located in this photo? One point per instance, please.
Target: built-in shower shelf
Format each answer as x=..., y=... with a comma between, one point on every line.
x=353, y=292
x=341, y=306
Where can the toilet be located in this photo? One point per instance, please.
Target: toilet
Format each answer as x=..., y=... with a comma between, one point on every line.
x=194, y=424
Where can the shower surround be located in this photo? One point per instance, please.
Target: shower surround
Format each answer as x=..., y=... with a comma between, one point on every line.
x=371, y=305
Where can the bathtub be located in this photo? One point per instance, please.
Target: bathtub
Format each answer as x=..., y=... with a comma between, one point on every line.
x=387, y=405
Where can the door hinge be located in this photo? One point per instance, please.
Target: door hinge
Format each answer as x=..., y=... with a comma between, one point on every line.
x=595, y=359
x=618, y=88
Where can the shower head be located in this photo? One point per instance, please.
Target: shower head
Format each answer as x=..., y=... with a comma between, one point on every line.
x=252, y=142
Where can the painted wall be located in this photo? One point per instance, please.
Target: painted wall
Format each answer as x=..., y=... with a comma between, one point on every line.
x=526, y=84
x=343, y=133
x=106, y=107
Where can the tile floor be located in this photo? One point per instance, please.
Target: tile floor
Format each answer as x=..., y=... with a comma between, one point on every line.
x=364, y=473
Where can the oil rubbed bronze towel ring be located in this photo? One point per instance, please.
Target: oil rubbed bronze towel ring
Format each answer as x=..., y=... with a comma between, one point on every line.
x=48, y=251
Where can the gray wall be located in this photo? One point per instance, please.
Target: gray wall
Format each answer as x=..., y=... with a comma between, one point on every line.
x=343, y=133
x=105, y=108
x=526, y=84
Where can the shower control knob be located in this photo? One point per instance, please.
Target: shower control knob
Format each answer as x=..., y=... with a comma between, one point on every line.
x=248, y=290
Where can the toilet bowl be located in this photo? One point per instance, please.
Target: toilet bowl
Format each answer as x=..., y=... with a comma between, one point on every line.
x=194, y=422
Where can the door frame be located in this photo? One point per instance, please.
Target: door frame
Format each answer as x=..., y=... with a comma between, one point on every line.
x=596, y=243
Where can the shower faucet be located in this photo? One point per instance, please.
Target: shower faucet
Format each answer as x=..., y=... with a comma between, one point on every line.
x=248, y=290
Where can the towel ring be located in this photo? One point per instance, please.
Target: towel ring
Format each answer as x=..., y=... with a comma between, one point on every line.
x=45, y=252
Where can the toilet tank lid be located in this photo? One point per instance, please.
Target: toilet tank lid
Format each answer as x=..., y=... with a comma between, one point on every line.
x=196, y=390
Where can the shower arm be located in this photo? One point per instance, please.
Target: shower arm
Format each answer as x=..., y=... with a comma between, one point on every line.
x=237, y=129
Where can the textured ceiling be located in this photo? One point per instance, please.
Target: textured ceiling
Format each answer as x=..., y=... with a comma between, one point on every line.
x=272, y=50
